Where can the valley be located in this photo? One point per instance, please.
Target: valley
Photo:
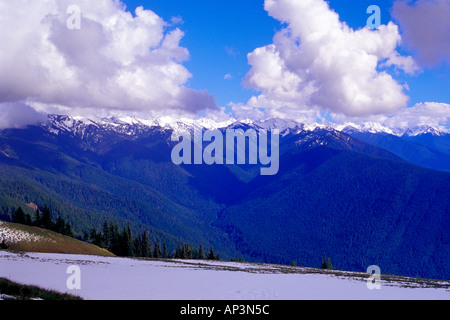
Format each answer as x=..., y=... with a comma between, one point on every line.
x=360, y=204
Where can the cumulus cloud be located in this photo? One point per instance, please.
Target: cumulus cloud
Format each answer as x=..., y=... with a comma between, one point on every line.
x=18, y=115
x=115, y=61
x=318, y=63
x=429, y=113
x=432, y=114
x=426, y=29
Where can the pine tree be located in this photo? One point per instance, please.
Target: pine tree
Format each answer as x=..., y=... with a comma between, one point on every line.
x=156, y=250
x=165, y=254
x=131, y=249
x=201, y=253
x=68, y=230
x=138, y=246
x=115, y=238
x=106, y=236
x=189, y=251
x=123, y=243
x=96, y=237
x=85, y=236
x=19, y=216
x=178, y=252
x=60, y=225
x=128, y=242
x=329, y=265
x=28, y=221
x=37, y=218
x=185, y=251
x=326, y=263
x=93, y=235
x=46, y=221
x=145, y=245
x=211, y=255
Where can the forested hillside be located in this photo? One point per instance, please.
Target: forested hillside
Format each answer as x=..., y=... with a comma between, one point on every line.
x=334, y=194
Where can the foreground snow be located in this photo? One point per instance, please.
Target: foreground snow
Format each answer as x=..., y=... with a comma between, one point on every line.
x=121, y=279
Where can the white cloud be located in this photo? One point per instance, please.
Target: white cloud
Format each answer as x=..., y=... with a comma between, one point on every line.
x=428, y=113
x=178, y=20
x=232, y=51
x=116, y=61
x=426, y=29
x=318, y=63
x=18, y=115
x=432, y=114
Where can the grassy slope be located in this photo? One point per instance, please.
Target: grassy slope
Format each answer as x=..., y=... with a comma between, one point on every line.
x=26, y=292
x=53, y=242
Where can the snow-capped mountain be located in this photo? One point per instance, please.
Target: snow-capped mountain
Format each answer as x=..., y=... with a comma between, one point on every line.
x=425, y=129
x=132, y=126
x=426, y=146
x=373, y=127
x=329, y=183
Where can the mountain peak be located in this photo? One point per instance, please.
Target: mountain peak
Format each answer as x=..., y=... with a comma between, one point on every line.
x=425, y=129
x=373, y=127
x=130, y=125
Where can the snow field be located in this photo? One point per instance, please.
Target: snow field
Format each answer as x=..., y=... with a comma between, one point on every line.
x=131, y=279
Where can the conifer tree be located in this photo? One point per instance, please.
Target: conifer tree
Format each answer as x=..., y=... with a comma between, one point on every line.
x=211, y=255
x=85, y=236
x=60, y=225
x=156, y=250
x=19, y=216
x=201, y=253
x=37, y=218
x=164, y=253
x=68, y=230
x=128, y=242
x=115, y=238
x=145, y=245
x=326, y=263
x=179, y=252
x=46, y=221
x=138, y=246
x=28, y=221
x=106, y=235
x=329, y=265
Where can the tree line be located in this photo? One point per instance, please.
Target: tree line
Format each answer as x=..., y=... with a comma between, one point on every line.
x=43, y=219
x=122, y=243
x=119, y=241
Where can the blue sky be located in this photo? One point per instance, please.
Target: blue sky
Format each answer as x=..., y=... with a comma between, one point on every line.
x=220, y=34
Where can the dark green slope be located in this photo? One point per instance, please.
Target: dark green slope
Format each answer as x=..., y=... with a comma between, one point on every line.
x=424, y=150
x=114, y=182
x=358, y=209
x=359, y=204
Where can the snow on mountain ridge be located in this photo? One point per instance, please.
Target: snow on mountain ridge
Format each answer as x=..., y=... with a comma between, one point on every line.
x=78, y=125
x=371, y=127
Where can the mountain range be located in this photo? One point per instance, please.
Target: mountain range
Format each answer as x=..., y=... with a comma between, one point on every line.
x=364, y=195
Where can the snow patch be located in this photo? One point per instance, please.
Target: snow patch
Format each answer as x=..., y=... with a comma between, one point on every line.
x=14, y=236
